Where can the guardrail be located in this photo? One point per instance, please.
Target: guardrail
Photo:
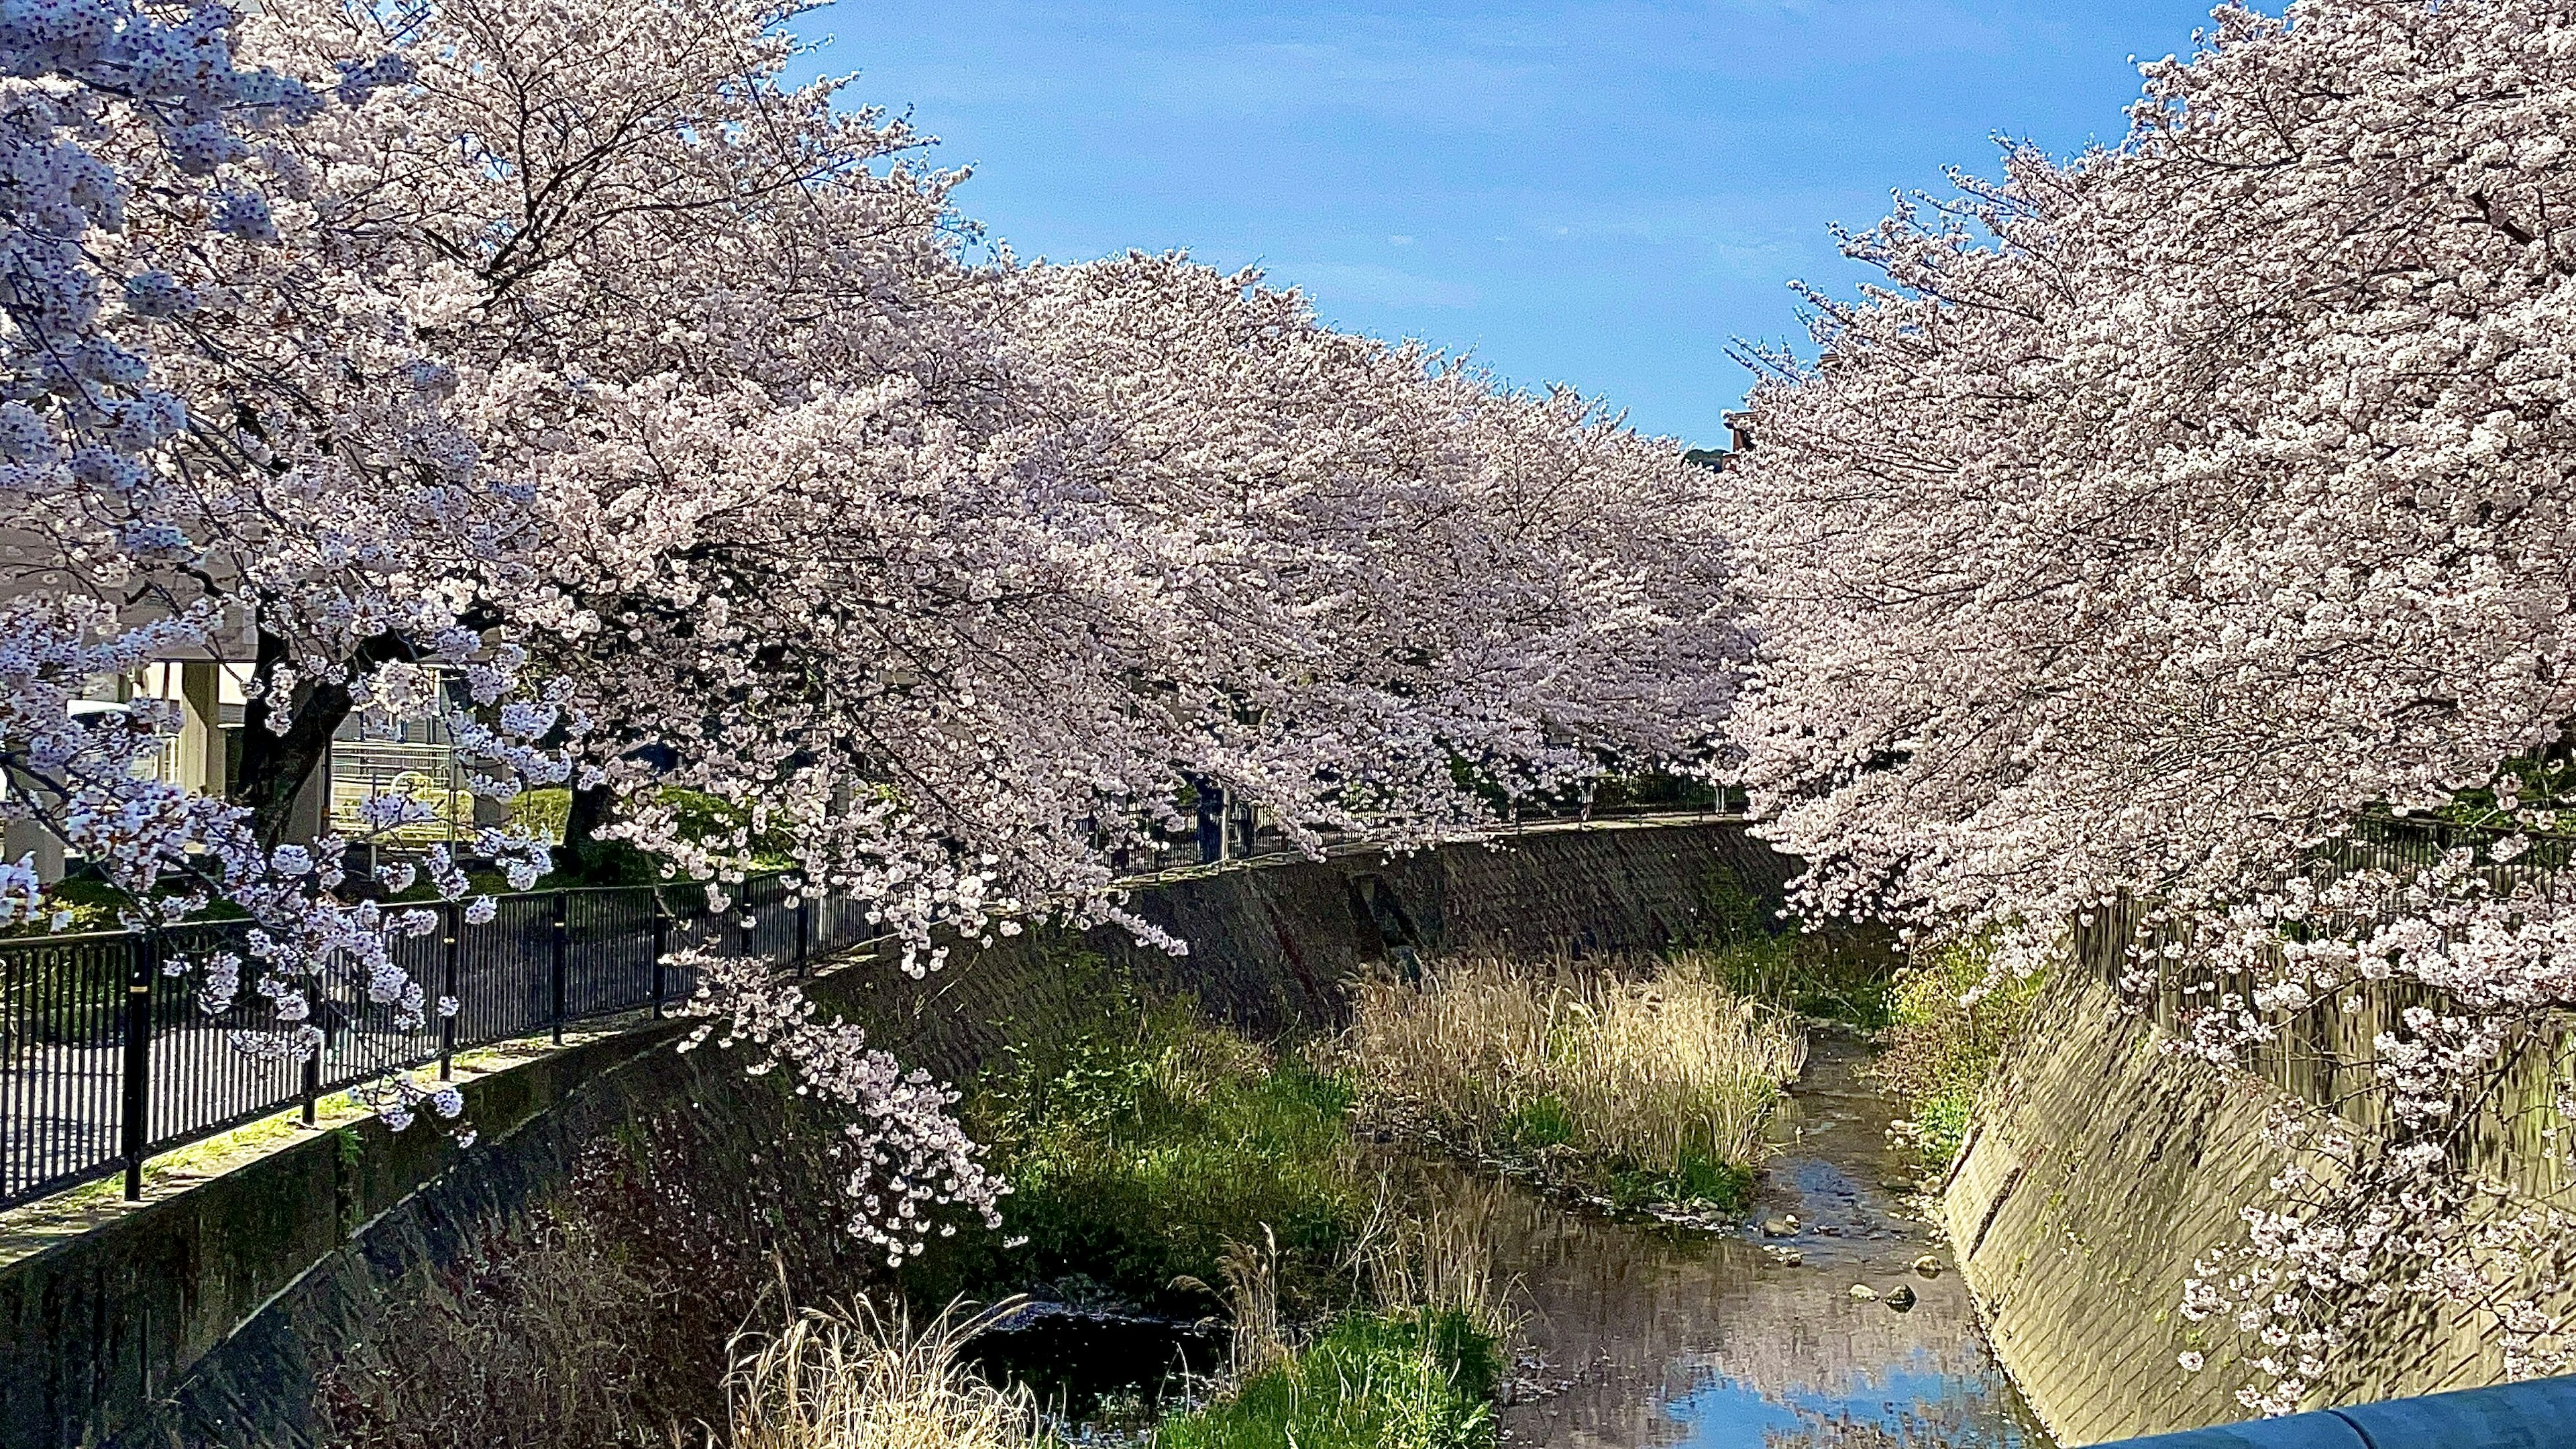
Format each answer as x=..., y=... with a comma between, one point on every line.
x=105, y=1061
x=2534, y=1414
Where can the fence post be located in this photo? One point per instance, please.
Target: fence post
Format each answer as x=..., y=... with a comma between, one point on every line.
x=447, y=1021
x=562, y=936
x=661, y=946
x=804, y=929
x=143, y=964
x=312, y=1084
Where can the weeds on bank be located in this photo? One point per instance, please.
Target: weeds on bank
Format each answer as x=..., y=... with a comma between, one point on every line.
x=1398, y=1380
x=1942, y=1045
x=1645, y=1084
x=1416, y=1370
x=1171, y=1162
x=1844, y=973
x=865, y=1379
x=1139, y=1143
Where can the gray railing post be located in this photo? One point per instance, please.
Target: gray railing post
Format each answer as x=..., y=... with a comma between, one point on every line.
x=563, y=935
x=804, y=930
x=661, y=947
x=143, y=964
x=447, y=1020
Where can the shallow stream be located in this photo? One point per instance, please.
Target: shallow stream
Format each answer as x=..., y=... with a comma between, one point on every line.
x=1639, y=1334
x=1666, y=1337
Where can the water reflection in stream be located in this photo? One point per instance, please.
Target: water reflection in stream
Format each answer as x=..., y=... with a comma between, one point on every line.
x=1666, y=1338
x=1648, y=1335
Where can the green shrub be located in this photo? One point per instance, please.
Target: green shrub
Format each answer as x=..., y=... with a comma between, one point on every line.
x=1375, y=1381
x=1940, y=1048
x=1139, y=1142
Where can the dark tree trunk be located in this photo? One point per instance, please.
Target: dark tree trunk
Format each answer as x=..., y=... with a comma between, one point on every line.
x=583, y=854
x=275, y=766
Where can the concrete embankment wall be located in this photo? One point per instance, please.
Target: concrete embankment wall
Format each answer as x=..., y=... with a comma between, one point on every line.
x=2098, y=1166
x=358, y=1287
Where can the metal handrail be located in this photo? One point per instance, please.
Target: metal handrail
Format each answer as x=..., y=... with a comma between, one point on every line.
x=2534, y=1414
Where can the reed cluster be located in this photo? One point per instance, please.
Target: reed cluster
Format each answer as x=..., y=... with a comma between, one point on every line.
x=865, y=1378
x=1645, y=1081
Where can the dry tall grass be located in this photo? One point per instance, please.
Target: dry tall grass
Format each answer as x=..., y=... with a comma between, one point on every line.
x=859, y=1379
x=1436, y=1255
x=1627, y=1068
x=1251, y=1294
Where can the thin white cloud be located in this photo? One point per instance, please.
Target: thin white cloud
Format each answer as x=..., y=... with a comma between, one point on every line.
x=1375, y=285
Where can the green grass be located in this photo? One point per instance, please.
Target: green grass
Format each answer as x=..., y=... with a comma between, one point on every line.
x=1938, y=1051
x=1374, y=1381
x=1843, y=974
x=1724, y=1186
x=1540, y=1123
x=1835, y=976
x=1138, y=1143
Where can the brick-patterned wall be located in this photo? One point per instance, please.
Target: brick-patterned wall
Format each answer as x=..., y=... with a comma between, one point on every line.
x=2096, y=1169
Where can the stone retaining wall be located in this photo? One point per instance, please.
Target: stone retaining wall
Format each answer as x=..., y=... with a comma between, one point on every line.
x=2096, y=1169
x=242, y=1311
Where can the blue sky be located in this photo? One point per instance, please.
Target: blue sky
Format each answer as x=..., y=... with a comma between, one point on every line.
x=1588, y=192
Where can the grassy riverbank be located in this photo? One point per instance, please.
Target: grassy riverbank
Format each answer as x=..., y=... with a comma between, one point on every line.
x=1161, y=1163
x=1140, y=1140
x=1949, y=1028
x=1399, y=1378
x=1642, y=1083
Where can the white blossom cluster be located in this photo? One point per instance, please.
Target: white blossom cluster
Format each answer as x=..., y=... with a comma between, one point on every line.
x=2168, y=508
x=907, y=1155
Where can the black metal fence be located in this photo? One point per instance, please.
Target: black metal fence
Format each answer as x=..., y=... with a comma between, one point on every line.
x=83, y=1094
x=106, y=1060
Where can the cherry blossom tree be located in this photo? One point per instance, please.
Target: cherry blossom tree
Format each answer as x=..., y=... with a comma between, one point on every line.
x=135, y=139
x=568, y=348
x=2163, y=511
x=951, y=571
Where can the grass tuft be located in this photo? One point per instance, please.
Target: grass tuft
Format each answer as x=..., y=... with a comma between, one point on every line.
x=1402, y=1379
x=1645, y=1086
x=1951, y=1024
x=865, y=1379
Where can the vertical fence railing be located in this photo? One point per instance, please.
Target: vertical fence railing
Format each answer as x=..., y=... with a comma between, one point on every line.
x=2326, y=1054
x=137, y=1107
x=106, y=1060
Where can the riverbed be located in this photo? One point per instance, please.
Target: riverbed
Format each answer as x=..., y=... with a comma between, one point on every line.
x=1656, y=1336
x=1645, y=1335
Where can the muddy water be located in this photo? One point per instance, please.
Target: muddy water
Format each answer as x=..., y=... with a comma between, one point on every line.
x=1664, y=1337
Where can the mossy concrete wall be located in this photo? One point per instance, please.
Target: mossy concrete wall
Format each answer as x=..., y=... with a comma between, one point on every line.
x=241, y=1311
x=2097, y=1167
